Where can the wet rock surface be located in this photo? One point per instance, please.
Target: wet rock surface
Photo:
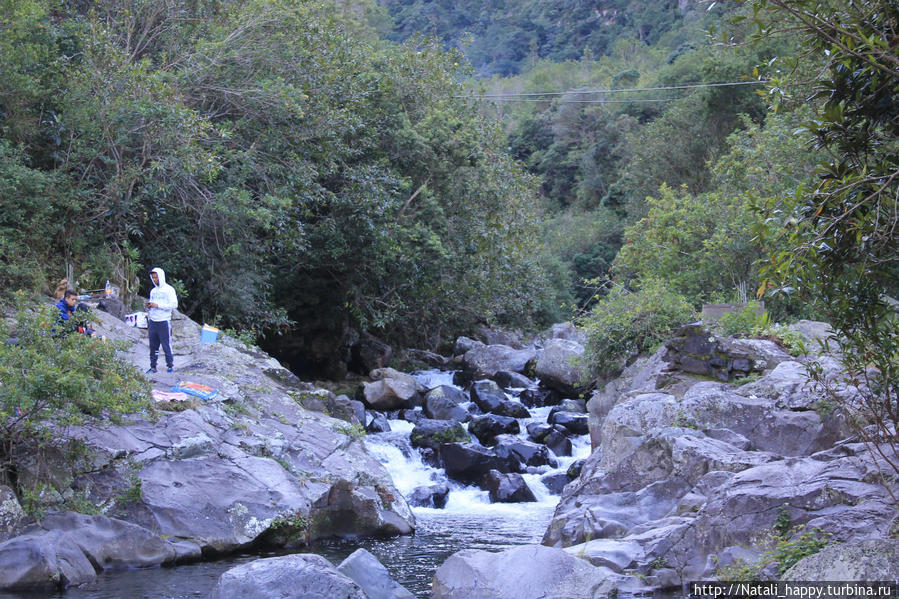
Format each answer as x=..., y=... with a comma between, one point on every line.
x=688, y=471
x=527, y=572
x=303, y=576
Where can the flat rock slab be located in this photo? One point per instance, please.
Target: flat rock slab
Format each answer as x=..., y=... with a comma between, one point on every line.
x=526, y=572
x=70, y=549
x=304, y=576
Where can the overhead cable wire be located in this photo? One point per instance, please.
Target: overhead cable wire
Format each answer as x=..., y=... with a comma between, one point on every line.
x=613, y=91
x=631, y=101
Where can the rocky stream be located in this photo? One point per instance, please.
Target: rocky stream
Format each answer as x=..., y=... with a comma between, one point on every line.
x=494, y=473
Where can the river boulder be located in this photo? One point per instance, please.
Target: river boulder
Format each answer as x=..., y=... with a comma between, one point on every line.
x=561, y=366
x=370, y=574
x=390, y=390
x=526, y=572
x=301, y=576
x=568, y=331
x=526, y=452
x=486, y=360
x=876, y=559
x=443, y=403
x=71, y=549
x=507, y=487
x=555, y=482
x=468, y=463
x=431, y=496
x=558, y=442
x=575, y=423
x=513, y=380
x=378, y=424
x=487, y=427
x=465, y=344
x=512, y=409
x=434, y=433
x=487, y=395
x=538, y=430
x=576, y=406
x=537, y=398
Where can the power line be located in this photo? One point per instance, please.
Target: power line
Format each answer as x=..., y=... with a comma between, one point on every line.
x=613, y=91
x=512, y=99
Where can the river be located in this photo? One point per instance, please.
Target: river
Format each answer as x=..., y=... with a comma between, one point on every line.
x=469, y=521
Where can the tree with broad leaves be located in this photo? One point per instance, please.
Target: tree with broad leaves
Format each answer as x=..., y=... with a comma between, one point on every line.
x=845, y=232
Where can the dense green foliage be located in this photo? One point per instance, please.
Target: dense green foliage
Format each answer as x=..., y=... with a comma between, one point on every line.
x=843, y=247
x=51, y=380
x=507, y=37
x=279, y=162
x=294, y=173
x=626, y=323
x=601, y=154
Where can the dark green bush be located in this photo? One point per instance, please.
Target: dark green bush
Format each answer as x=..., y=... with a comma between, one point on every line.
x=50, y=380
x=627, y=323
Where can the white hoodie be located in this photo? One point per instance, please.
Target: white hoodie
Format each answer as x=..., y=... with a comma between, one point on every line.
x=163, y=295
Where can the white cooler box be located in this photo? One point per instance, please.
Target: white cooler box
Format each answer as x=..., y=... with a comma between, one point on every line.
x=137, y=319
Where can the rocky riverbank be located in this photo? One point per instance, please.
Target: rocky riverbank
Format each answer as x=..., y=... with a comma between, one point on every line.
x=259, y=465
x=707, y=456
x=696, y=474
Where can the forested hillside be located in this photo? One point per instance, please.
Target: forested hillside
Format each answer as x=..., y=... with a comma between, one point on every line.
x=508, y=37
x=303, y=178
x=290, y=171
x=690, y=153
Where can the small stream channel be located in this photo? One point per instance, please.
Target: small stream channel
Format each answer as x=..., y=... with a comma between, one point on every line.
x=469, y=521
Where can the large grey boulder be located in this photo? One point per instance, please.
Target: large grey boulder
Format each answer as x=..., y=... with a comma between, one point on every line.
x=183, y=459
x=434, y=433
x=566, y=330
x=372, y=576
x=487, y=427
x=877, y=559
x=465, y=344
x=526, y=572
x=43, y=561
x=526, y=452
x=434, y=496
x=561, y=366
x=769, y=425
x=487, y=395
x=69, y=549
x=304, y=576
x=492, y=336
x=443, y=403
x=632, y=419
x=588, y=510
x=838, y=491
x=369, y=353
x=468, y=463
x=507, y=488
x=512, y=380
x=816, y=334
x=486, y=360
x=645, y=375
x=390, y=390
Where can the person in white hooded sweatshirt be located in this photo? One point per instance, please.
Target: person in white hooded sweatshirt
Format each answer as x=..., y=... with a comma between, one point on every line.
x=159, y=318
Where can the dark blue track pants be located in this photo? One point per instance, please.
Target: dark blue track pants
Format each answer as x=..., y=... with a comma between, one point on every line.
x=160, y=333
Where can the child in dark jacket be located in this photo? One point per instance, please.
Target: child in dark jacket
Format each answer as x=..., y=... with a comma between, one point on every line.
x=67, y=308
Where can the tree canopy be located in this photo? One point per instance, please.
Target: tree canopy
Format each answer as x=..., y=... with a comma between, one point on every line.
x=277, y=159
